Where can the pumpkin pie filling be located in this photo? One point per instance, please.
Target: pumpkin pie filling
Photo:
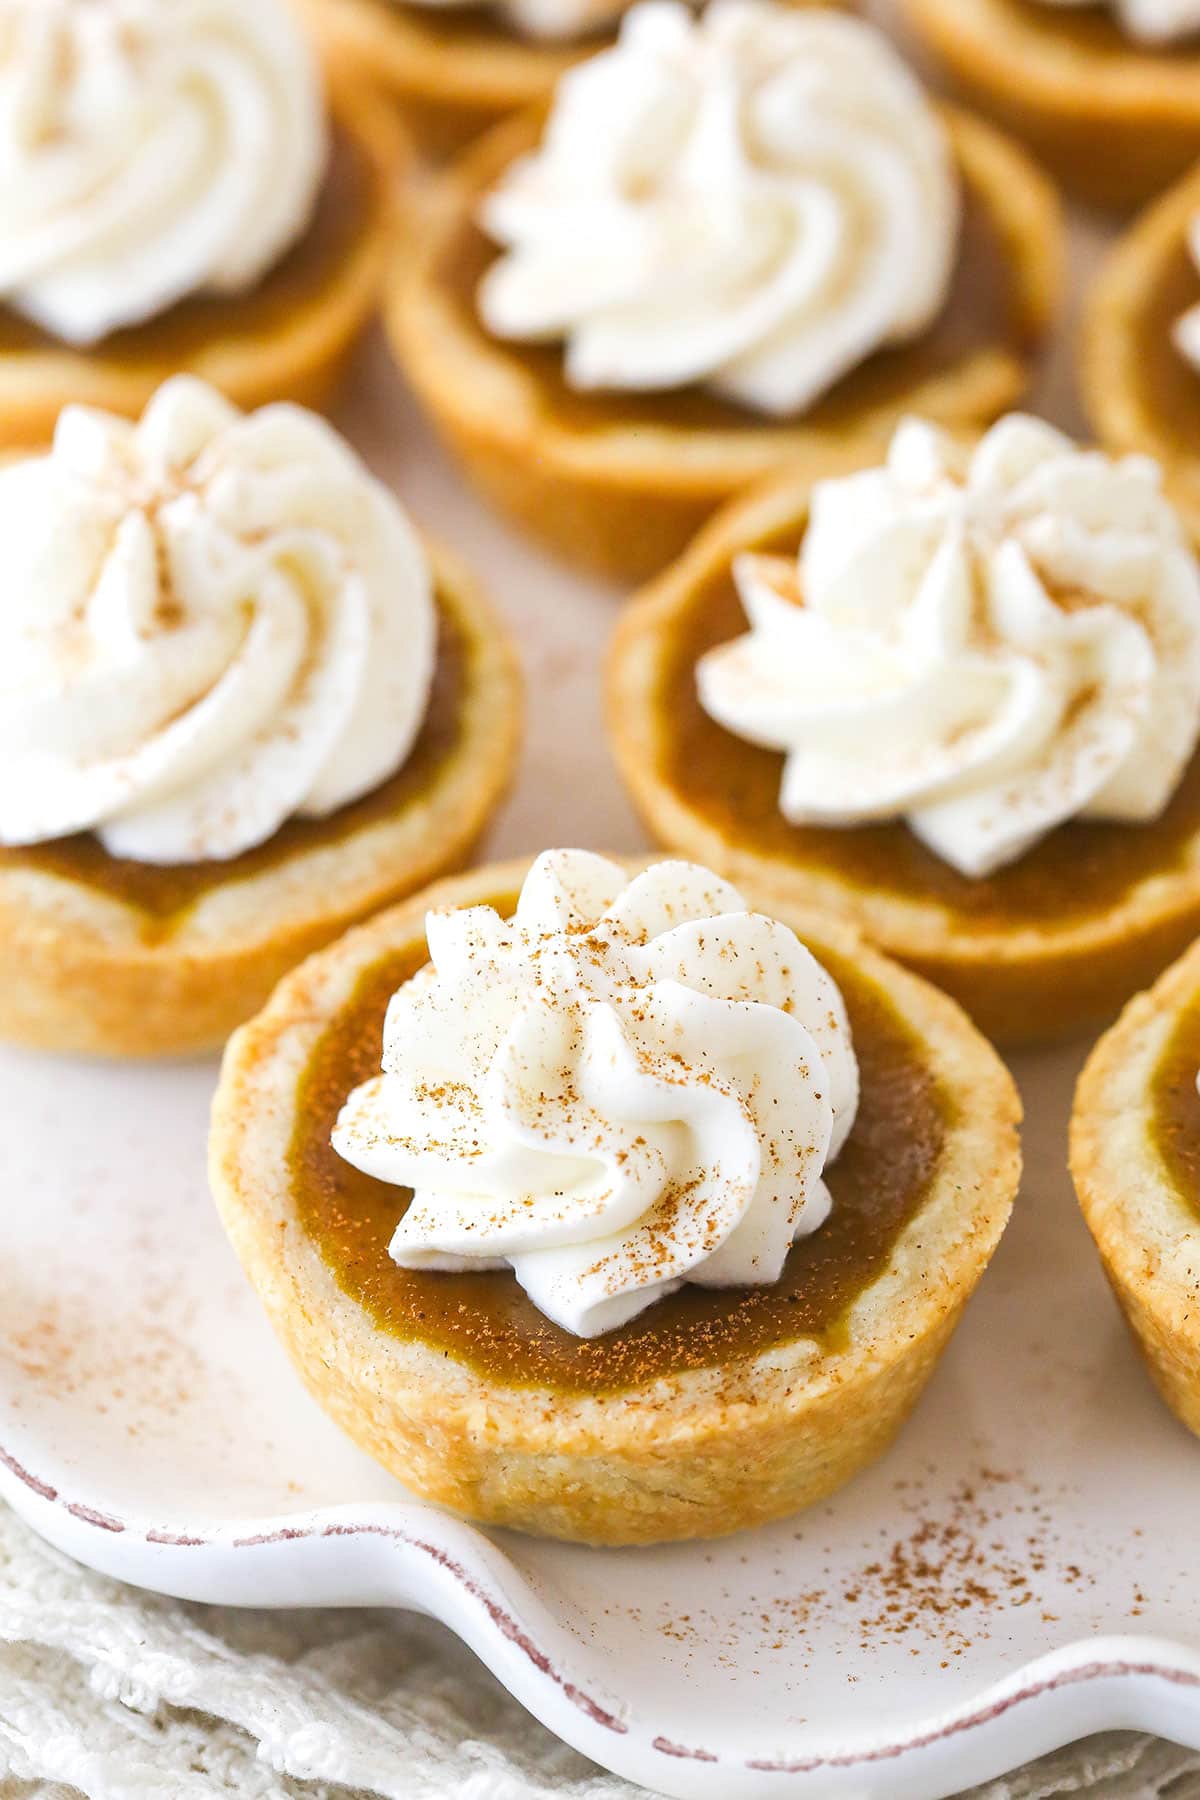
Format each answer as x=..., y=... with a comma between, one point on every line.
x=981, y=311
x=1175, y=1107
x=344, y=212
x=166, y=892
x=484, y=1319
x=1081, y=870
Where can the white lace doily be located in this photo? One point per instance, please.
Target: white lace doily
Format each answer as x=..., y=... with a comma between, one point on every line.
x=117, y=1695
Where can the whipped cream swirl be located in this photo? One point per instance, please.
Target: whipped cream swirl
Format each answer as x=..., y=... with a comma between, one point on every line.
x=149, y=150
x=982, y=644
x=1148, y=21
x=756, y=200
x=548, y=19
x=631, y=1085
x=211, y=622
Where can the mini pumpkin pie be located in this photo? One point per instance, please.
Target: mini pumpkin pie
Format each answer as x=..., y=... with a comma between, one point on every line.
x=241, y=706
x=1106, y=91
x=1135, y=1157
x=735, y=242
x=456, y=66
x=658, y=1216
x=1140, y=340
x=965, y=717
x=175, y=197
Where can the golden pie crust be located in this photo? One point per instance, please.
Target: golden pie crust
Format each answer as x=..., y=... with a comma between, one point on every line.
x=620, y=482
x=1114, y=120
x=452, y=72
x=693, y=1452
x=1039, y=951
x=1140, y=392
x=1132, y=1121
x=123, y=960
x=289, y=339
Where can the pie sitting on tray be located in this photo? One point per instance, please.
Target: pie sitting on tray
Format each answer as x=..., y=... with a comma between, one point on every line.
x=955, y=699
x=1106, y=91
x=1135, y=1157
x=180, y=194
x=733, y=243
x=658, y=1217
x=241, y=706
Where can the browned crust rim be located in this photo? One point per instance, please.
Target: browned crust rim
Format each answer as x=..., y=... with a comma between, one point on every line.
x=406, y=55
x=1110, y=340
x=1024, y=62
x=402, y=50
x=1064, y=96
x=1147, y=1235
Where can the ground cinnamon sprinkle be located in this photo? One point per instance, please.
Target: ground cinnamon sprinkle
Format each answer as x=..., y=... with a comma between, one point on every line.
x=950, y=1565
x=951, y=1569
x=144, y=1369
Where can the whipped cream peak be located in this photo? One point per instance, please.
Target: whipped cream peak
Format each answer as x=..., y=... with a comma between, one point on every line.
x=214, y=622
x=547, y=19
x=756, y=199
x=150, y=150
x=1146, y=21
x=985, y=643
x=631, y=1084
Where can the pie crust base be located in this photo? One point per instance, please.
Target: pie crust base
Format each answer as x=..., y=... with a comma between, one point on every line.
x=84, y=970
x=1113, y=120
x=1147, y=1234
x=451, y=77
x=450, y=80
x=692, y=1454
x=623, y=497
x=1036, y=980
x=297, y=355
x=1126, y=326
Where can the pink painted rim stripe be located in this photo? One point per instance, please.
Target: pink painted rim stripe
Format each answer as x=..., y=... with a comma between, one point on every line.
x=515, y=1634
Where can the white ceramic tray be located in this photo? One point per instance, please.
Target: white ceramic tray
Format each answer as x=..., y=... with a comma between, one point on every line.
x=1019, y=1572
